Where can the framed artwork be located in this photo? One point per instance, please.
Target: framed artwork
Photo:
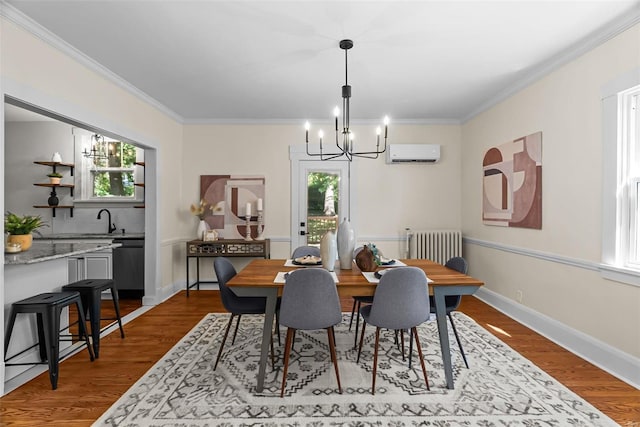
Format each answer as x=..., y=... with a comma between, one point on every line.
x=229, y=197
x=512, y=183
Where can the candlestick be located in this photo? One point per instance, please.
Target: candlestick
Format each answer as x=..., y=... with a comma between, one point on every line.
x=248, y=231
x=259, y=205
x=248, y=210
x=260, y=225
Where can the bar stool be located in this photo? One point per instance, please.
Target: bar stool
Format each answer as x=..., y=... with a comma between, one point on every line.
x=90, y=292
x=48, y=307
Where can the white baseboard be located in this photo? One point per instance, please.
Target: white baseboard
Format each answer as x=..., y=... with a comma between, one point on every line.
x=619, y=364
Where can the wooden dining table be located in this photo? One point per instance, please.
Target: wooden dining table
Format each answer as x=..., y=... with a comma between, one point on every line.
x=257, y=279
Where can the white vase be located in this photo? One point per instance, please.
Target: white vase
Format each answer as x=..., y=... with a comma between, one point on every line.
x=202, y=228
x=329, y=251
x=346, y=244
x=56, y=157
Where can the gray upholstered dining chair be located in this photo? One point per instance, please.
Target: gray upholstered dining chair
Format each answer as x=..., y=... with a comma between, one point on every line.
x=234, y=304
x=302, y=251
x=401, y=301
x=309, y=301
x=452, y=302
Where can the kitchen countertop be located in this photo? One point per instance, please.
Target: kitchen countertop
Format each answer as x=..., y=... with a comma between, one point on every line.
x=46, y=251
x=89, y=236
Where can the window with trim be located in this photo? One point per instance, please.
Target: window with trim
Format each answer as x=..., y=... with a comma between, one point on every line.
x=108, y=169
x=629, y=178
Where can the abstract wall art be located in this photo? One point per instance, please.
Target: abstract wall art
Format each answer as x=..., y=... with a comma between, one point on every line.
x=512, y=183
x=229, y=197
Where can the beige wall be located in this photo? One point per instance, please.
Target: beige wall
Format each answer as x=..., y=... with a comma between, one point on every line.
x=388, y=197
x=566, y=107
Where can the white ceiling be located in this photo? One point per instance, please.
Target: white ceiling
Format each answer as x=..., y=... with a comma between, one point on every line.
x=279, y=61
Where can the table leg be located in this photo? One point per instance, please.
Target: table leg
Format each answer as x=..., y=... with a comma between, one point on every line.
x=188, y=277
x=198, y=273
x=271, y=295
x=441, y=318
x=270, y=311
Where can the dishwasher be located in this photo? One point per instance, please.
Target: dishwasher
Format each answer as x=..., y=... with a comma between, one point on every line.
x=128, y=267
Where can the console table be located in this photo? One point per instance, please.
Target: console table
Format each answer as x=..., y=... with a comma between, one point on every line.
x=226, y=248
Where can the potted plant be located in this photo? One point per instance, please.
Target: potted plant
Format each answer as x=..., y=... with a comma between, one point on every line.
x=54, y=177
x=21, y=227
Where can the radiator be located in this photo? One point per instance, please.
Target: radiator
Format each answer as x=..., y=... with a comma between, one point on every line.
x=436, y=245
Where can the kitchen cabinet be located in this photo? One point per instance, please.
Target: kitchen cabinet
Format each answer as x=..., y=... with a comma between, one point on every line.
x=94, y=265
x=53, y=187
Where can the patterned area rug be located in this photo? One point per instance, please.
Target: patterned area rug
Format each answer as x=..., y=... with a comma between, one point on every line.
x=500, y=388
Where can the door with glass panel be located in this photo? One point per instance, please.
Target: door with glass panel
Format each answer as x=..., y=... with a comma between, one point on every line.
x=320, y=201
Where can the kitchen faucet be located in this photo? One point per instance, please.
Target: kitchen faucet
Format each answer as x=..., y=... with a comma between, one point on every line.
x=110, y=226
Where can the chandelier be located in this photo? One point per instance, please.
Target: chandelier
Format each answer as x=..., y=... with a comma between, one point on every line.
x=99, y=149
x=345, y=137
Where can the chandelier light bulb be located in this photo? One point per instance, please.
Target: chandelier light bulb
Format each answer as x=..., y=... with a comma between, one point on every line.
x=320, y=134
x=378, y=131
x=336, y=112
x=386, y=120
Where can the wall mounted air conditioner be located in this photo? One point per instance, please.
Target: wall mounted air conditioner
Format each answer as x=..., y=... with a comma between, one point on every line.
x=413, y=153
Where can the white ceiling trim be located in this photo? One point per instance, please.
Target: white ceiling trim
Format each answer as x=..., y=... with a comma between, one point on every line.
x=573, y=52
x=20, y=19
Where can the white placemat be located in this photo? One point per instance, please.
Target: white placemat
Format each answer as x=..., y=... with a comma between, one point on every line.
x=289, y=263
x=280, y=277
x=371, y=278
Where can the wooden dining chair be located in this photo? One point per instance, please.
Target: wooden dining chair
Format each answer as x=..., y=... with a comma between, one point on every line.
x=310, y=301
x=401, y=301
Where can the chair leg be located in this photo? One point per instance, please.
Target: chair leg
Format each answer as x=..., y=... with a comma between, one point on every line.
x=364, y=324
x=334, y=357
x=273, y=357
x=278, y=326
x=402, y=342
x=455, y=332
x=414, y=330
x=235, y=332
x=355, y=337
x=353, y=310
x=224, y=339
x=375, y=361
x=116, y=307
x=287, y=350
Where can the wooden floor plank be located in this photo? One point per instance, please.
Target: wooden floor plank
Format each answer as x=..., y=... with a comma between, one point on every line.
x=87, y=389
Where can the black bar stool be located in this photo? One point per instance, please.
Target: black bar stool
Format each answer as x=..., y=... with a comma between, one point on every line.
x=47, y=307
x=91, y=294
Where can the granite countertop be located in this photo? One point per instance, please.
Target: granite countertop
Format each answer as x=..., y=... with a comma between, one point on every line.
x=89, y=236
x=45, y=251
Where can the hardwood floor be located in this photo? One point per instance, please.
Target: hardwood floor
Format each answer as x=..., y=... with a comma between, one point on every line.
x=86, y=390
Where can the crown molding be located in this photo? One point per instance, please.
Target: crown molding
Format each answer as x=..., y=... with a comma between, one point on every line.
x=573, y=52
x=17, y=17
x=299, y=122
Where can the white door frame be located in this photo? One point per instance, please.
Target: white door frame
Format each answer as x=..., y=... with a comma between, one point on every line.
x=299, y=162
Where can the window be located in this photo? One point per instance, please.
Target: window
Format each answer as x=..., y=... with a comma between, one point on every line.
x=621, y=180
x=106, y=169
x=112, y=174
x=629, y=169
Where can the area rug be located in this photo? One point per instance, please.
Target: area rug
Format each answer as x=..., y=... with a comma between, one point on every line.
x=500, y=388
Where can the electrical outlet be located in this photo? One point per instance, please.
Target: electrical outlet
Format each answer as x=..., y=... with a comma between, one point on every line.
x=519, y=296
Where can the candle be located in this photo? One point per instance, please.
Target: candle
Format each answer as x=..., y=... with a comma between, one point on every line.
x=260, y=204
x=248, y=209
